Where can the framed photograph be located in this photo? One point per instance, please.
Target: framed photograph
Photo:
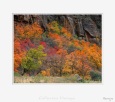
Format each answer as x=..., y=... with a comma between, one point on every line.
x=57, y=51
x=57, y=48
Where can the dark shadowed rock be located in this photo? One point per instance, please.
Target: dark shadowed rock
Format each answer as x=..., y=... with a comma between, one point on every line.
x=80, y=28
x=90, y=27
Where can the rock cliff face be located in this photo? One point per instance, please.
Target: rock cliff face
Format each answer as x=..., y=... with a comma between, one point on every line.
x=87, y=27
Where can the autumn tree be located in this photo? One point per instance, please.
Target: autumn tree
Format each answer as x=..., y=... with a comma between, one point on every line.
x=93, y=53
x=71, y=63
x=56, y=62
x=62, y=57
x=18, y=54
x=54, y=27
x=83, y=67
x=33, y=59
x=78, y=63
x=33, y=32
x=55, y=65
x=66, y=33
x=95, y=56
x=26, y=44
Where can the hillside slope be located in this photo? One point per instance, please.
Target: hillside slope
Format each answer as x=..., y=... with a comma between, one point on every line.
x=58, y=45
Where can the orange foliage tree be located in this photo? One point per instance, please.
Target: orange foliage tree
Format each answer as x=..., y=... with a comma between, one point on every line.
x=29, y=31
x=83, y=65
x=18, y=54
x=77, y=62
x=66, y=33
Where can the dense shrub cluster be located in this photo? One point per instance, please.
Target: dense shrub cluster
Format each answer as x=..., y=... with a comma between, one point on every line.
x=55, y=52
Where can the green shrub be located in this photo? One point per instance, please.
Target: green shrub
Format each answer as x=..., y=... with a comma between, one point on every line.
x=96, y=76
x=71, y=48
x=33, y=59
x=54, y=27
